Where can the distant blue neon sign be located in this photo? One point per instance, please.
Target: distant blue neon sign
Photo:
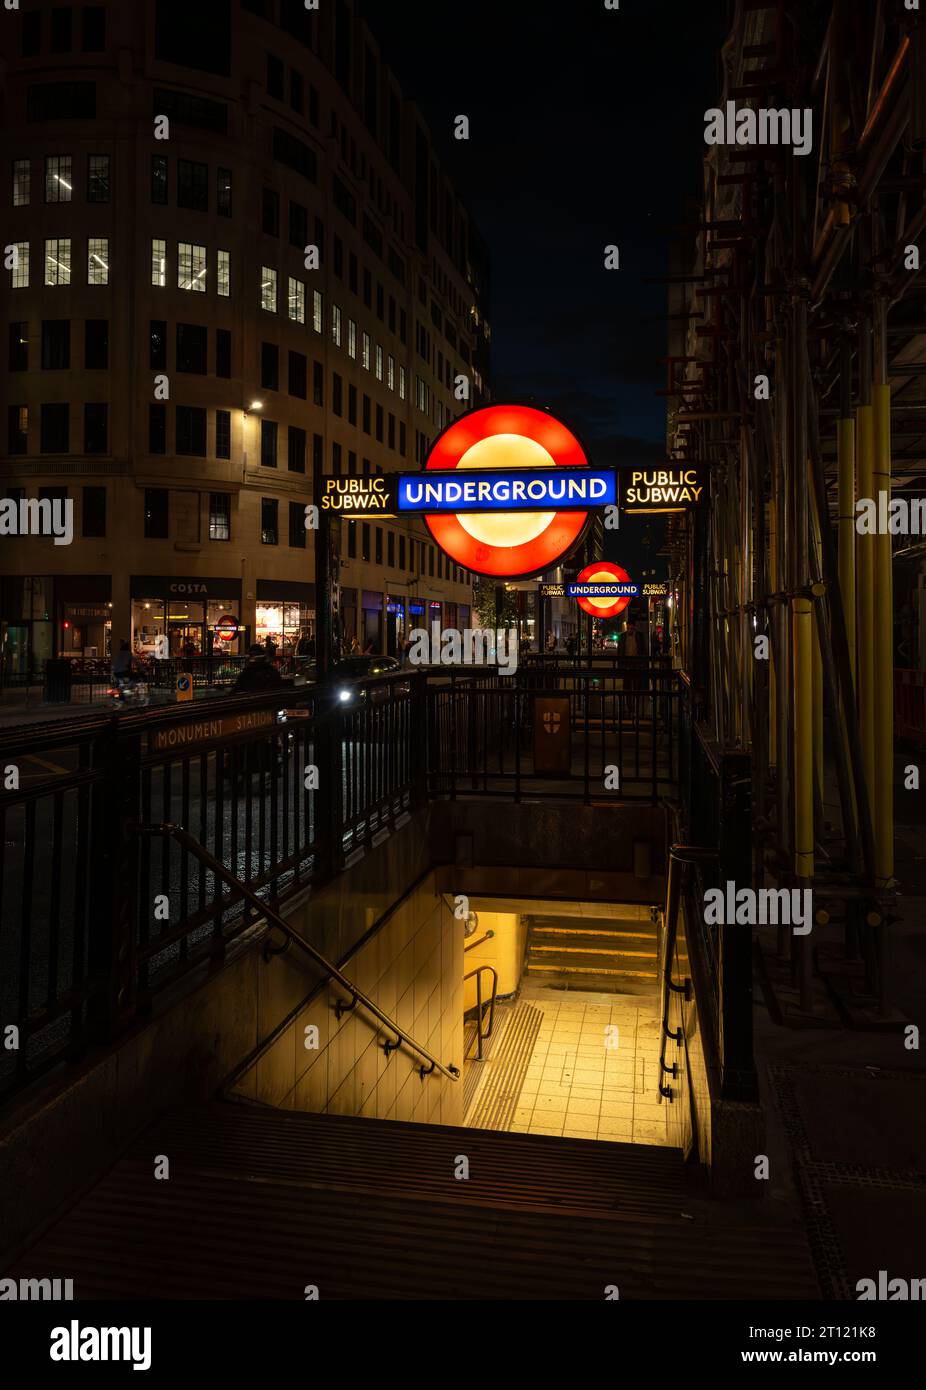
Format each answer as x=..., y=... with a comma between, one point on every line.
x=552, y=489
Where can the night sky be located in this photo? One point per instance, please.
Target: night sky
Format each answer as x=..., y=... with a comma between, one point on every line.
x=586, y=128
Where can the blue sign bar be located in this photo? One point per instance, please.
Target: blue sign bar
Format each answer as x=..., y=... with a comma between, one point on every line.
x=603, y=590
x=511, y=490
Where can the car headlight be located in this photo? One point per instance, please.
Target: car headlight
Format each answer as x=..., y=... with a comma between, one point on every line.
x=345, y=695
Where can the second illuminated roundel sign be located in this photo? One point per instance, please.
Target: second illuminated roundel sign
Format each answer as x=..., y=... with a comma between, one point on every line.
x=516, y=543
x=616, y=589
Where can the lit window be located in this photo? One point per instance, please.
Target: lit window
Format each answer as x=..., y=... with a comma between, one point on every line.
x=58, y=261
x=19, y=275
x=191, y=266
x=158, y=262
x=21, y=182
x=402, y=383
x=296, y=300
x=351, y=338
x=58, y=181
x=317, y=310
x=336, y=325
x=223, y=273
x=98, y=261
x=365, y=358
x=268, y=289
x=390, y=372
x=379, y=363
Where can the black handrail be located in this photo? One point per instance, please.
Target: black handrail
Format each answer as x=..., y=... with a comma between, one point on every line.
x=480, y=1035
x=189, y=842
x=680, y=856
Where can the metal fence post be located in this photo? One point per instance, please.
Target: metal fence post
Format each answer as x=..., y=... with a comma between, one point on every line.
x=114, y=885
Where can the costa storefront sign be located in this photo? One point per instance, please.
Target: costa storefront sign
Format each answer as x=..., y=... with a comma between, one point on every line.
x=502, y=529
x=603, y=589
x=661, y=489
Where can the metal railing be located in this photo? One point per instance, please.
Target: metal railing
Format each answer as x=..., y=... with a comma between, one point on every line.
x=680, y=856
x=331, y=971
x=615, y=729
x=96, y=921
x=482, y=1034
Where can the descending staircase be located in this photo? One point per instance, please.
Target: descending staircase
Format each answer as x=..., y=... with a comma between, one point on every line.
x=261, y=1203
x=591, y=953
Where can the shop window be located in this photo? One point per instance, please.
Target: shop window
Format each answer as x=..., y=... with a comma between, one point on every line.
x=192, y=349
x=55, y=429
x=223, y=352
x=298, y=375
x=269, y=508
x=220, y=516
x=93, y=517
x=96, y=428
x=295, y=448
x=269, y=432
x=156, y=513
x=19, y=347
x=96, y=344
x=190, y=431
x=157, y=429
x=297, y=525
x=223, y=434
x=269, y=366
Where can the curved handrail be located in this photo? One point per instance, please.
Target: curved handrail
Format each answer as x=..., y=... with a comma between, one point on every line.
x=680, y=856
x=183, y=837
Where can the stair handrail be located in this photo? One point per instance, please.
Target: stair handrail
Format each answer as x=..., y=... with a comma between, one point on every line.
x=680, y=857
x=480, y=1035
x=189, y=842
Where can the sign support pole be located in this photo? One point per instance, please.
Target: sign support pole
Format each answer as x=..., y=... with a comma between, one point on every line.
x=327, y=579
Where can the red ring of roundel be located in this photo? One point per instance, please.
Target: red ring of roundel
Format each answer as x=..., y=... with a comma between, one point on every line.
x=532, y=557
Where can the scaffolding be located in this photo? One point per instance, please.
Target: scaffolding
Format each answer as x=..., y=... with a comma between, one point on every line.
x=797, y=380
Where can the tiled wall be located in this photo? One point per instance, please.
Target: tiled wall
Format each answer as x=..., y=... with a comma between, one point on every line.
x=412, y=967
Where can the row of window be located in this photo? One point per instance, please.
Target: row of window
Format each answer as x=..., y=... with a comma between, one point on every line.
x=55, y=428
x=58, y=262
x=59, y=179
x=63, y=32
x=365, y=542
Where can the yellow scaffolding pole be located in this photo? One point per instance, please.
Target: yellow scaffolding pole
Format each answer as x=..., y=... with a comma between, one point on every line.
x=845, y=443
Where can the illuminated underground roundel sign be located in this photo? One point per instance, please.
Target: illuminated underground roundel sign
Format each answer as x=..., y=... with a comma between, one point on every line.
x=513, y=543
x=610, y=589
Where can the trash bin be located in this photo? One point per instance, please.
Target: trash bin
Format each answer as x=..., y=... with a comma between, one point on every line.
x=57, y=681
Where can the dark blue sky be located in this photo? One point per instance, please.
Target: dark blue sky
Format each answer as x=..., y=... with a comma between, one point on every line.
x=586, y=129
